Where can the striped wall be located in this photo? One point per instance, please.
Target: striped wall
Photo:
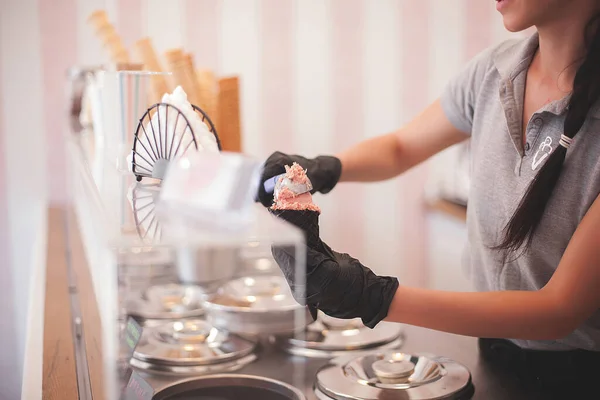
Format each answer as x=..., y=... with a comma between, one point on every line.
x=317, y=76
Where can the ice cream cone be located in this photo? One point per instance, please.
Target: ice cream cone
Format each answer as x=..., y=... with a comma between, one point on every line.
x=228, y=114
x=173, y=60
x=189, y=62
x=108, y=36
x=98, y=19
x=306, y=220
x=106, y=33
x=127, y=66
x=183, y=74
x=117, y=51
x=145, y=52
x=190, y=71
x=207, y=92
x=173, y=56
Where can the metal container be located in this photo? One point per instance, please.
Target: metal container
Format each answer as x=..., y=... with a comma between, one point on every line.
x=230, y=387
x=207, y=267
x=393, y=376
x=191, y=347
x=170, y=301
x=145, y=267
x=260, y=265
x=331, y=337
x=258, y=305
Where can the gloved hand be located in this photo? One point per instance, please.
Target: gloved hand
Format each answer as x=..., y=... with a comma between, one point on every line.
x=324, y=173
x=338, y=284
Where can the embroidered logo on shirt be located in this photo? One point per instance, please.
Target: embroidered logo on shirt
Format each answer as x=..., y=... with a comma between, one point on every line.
x=542, y=153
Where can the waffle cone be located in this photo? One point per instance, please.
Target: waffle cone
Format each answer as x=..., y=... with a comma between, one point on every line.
x=307, y=221
x=106, y=34
x=228, y=114
x=145, y=51
x=207, y=92
x=98, y=19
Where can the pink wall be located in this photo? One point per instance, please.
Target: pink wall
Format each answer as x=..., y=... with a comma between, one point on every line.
x=272, y=80
x=58, y=25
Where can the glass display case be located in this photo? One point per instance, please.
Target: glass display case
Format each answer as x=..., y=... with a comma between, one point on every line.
x=192, y=304
x=176, y=299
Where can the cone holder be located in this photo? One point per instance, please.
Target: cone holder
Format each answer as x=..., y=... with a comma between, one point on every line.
x=150, y=157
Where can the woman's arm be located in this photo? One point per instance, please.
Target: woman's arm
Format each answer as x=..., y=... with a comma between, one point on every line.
x=553, y=312
x=387, y=156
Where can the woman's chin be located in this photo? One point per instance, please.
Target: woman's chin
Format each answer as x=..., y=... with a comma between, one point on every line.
x=515, y=26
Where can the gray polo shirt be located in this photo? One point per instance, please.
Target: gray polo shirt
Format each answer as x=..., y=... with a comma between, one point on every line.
x=486, y=100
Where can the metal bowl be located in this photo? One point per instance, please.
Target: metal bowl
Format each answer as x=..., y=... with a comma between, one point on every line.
x=265, y=265
x=331, y=337
x=207, y=267
x=393, y=375
x=170, y=301
x=230, y=387
x=256, y=305
x=191, y=347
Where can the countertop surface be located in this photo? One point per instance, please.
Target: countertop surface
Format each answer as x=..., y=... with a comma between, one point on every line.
x=489, y=383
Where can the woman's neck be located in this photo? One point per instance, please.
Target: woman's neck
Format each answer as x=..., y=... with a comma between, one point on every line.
x=561, y=48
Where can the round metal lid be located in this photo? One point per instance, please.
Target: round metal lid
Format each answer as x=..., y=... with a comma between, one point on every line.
x=259, y=266
x=258, y=305
x=230, y=387
x=170, y=301
x=393, y=371
x=393, y=375
x=190, y=343
x=329, y=337
x=258, y=294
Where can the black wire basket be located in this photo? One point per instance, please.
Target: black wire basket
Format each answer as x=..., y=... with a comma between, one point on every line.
x=147, y=223
x=151, y=156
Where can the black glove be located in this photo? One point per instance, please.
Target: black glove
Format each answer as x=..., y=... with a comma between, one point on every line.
x=324, y=173
x=338, y=284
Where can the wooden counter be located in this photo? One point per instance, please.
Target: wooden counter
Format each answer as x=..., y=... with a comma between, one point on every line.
x=59, y=377
x=71, y=316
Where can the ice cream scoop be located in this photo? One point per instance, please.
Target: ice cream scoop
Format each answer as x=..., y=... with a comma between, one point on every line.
x=270, y=183
x=292, y=190
x=276, y=183
x=297, y=188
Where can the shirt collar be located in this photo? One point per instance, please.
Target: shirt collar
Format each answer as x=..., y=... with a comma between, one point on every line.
x=514, y=57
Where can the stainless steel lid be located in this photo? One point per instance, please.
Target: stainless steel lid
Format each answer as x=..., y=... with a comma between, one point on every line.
x=393, y=375
x=230, y=387
x=170, y=301
x=256, y=305
x=177, y=346
x=255, y=294
x=332, y=337
x=259, y=266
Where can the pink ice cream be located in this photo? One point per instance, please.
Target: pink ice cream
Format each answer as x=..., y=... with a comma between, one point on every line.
x=286, y=198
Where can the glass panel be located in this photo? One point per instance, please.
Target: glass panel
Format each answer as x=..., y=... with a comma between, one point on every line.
x=180, y=296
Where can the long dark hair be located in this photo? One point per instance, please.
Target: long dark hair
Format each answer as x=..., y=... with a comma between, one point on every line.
x=519, y=231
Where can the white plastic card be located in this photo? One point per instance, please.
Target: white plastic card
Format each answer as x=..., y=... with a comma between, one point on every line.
x=215, y=187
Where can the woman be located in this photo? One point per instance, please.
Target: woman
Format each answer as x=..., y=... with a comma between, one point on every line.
x=532, y=112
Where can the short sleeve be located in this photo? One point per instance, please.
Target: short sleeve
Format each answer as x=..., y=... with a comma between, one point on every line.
x=460, y=94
